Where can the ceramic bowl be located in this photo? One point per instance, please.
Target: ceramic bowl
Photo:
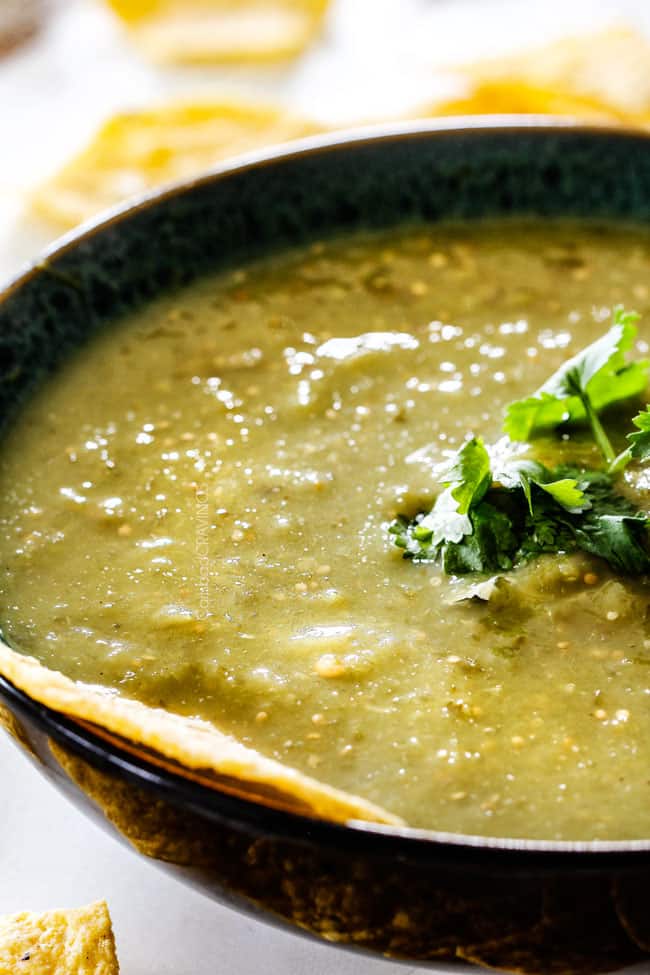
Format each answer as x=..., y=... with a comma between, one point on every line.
x=525, y=905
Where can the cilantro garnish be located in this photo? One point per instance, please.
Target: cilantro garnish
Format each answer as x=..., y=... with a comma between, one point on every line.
x=581, y=511
x=499, y=507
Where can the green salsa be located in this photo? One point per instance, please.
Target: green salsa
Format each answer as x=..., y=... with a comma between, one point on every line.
x=195, y=514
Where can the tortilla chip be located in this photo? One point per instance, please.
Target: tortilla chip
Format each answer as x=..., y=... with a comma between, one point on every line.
x=137, y=151
x=209, y=31
x=188, y=746
x=610, y=66
x=132, y=11
x=519, y=97
x=602, y=78
x=75, y=942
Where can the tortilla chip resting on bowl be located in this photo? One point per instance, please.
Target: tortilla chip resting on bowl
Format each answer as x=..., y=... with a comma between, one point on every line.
x=191, y=747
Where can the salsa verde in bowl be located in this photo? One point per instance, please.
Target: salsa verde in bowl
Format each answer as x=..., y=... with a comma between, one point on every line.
x=212, y=539
x=210, y=536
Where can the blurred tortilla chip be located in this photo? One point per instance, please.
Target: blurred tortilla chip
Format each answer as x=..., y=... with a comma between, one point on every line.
x=516, y=97
x=73, y=942
x=138, y=151
x=610, y=67
x=187, y=746
x=217, y=31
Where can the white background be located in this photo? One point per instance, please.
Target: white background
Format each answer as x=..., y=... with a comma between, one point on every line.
x=379, y=57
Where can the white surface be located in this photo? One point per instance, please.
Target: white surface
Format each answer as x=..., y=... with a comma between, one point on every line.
x=378, y=57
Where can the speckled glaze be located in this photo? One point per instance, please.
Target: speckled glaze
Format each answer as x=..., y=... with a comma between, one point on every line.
x=527, y=906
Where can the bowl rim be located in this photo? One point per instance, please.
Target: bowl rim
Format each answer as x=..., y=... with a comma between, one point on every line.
x=382, y=839
x=338, y=140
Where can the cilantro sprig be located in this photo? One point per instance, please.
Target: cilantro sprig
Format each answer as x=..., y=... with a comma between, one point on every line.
x=499, y=507
x=586, y=384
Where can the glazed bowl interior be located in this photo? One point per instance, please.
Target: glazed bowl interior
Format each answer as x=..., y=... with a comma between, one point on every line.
x=465, y=170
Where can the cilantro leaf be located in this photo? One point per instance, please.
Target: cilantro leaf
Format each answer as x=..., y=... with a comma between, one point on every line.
x=444, y=523
x=608, y=351
x=468, y=475
x=619, y=539
x=612, y=528
x=466, y=480
x=511, y=469
x=541, y=411
x=587, y=383
x=640, y=442
x=489, y=547
x=567, y=492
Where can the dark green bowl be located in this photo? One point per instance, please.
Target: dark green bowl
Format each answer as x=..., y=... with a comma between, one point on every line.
x=529, y=905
